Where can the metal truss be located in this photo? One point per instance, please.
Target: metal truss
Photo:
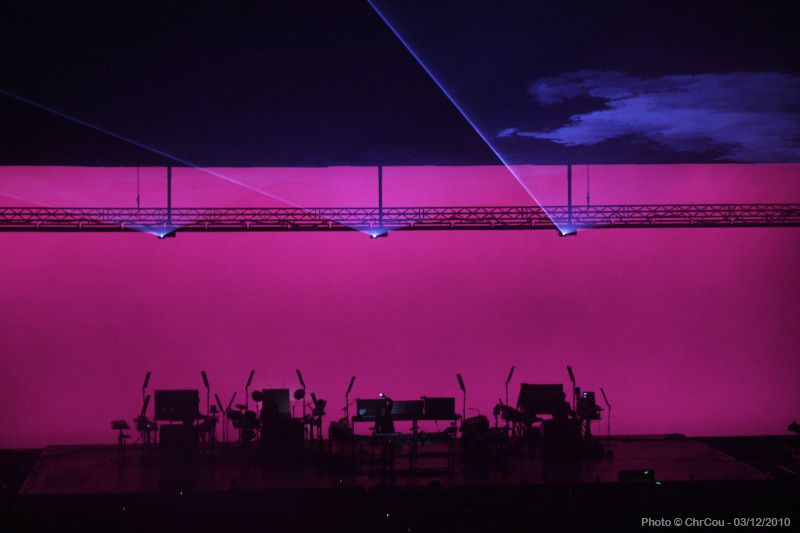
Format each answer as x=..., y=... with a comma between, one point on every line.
x=375, y=220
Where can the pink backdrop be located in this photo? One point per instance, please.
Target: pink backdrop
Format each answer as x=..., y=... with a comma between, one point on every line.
x=692, y=331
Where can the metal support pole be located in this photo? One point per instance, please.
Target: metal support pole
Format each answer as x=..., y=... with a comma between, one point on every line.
x=169, y=198
x=569, y=193
x=380, y=197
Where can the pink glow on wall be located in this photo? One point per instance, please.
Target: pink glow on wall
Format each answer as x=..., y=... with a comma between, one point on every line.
x=687, y=331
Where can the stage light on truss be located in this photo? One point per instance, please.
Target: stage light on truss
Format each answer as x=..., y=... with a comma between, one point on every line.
x=167, y=234
x=568, y=231
x=377, y=234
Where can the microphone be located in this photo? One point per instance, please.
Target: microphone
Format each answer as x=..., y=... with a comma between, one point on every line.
x=231, y=402
x=604, y=397
x=461, y=383
x=219, y=403
x=250, y=379
x=146, y=380
x=350, y=387
x=300, y=377
x=205, y=378
x=571, y=375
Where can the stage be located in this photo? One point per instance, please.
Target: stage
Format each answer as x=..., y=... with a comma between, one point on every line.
x=96, y=470
x=71, y=486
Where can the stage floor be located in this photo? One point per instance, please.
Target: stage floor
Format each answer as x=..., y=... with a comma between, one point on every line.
x=95, y=470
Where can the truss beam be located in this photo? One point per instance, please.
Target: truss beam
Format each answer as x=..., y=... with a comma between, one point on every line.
x=369, y=219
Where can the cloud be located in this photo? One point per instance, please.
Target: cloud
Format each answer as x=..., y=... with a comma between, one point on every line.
x=747, y=116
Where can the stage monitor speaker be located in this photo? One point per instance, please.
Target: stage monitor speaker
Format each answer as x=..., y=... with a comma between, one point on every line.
x=177, y=405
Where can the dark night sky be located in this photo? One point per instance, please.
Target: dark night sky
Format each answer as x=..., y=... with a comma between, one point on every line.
x=328, y=84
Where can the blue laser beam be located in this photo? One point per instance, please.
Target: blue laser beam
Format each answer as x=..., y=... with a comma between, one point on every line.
x=461, y=110
x=148, y=148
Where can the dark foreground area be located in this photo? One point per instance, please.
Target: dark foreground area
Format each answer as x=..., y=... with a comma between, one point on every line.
x=711, y=481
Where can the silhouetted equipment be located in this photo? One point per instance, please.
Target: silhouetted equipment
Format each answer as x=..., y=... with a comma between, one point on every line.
x=475, y=424
x=587, y=407
x=284, y=437
x=177, y=405
x=144, y=426
x=475, y=440
x=303, y=388
x=463, y=398
x=144, y=385
x=561, y=436
x=347, y=399
x=319, y=406
x=367, y=409
x=222, y=411
x=575, y=390
x=541, y=399
x=121, y=426
x=143, y=412
x=275, y=402
x=514, y=416
x=794, y=427
x=247, y=389
x=508, y=380
x=281, y=436
x=177, y=443
x=407, y=410
x=208, y=391
x=439, y=408
x=246, y=421
x=314, y=421
x=608, y=408
x=384, y=419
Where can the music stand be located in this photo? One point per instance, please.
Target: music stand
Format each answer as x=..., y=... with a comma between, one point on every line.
x=247, y=390
x=208, y=391
x=463, y=398
x=608, y=405
x=347, y=399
